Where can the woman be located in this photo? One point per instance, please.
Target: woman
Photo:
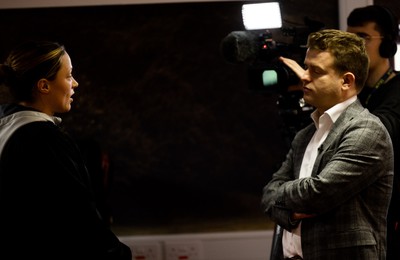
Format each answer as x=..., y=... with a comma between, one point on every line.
x=47, y=205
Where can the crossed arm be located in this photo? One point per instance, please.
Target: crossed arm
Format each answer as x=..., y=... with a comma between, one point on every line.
x=299, y=71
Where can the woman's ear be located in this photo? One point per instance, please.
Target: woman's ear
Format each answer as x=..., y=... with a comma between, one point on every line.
x=43, y=86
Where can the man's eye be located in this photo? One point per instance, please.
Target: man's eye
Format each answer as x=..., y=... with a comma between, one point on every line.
x=364, y=36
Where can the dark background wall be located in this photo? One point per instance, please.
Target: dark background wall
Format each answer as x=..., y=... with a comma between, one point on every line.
x=189, y=143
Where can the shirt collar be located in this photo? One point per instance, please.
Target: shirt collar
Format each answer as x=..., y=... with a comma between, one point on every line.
x=334, y=112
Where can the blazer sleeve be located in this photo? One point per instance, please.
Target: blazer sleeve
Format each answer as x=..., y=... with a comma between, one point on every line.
x=356, y=153
x=273, y=206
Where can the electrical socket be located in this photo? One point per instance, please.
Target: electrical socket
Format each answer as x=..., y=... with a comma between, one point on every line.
x=146, y=250
x=184, y=250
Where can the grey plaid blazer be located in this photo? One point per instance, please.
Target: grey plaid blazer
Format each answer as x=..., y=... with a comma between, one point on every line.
x=349, y=189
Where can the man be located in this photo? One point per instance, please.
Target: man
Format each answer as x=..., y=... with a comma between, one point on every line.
x=378, y=26
x=332, y=193
x=381, y=95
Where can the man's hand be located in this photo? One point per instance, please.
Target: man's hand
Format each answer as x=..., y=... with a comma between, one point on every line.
x=299, y=216
x=293, y=65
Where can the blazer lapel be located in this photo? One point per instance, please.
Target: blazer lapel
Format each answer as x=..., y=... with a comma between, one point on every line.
x=348, y=114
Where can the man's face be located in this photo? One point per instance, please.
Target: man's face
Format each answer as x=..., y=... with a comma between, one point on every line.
x=322, y=85
x=373, y=40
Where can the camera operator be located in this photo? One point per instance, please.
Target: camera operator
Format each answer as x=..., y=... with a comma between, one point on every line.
x=378, y=26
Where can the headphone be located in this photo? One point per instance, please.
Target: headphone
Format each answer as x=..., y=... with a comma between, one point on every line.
x=389, y=26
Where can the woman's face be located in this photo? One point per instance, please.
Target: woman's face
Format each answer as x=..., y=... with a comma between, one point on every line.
x=62, y=87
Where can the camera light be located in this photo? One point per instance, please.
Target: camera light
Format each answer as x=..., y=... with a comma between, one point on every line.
x=261, y=16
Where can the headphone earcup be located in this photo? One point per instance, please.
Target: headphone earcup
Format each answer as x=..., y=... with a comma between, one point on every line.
x=388, y=48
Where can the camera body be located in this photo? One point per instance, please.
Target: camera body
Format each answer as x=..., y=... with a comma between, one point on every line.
x=266, y=73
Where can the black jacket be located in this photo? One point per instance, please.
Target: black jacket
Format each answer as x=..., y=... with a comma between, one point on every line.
x=384, y=102
x=47, y=206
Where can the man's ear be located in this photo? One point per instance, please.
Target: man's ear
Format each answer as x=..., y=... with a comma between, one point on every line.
x=43, y=86
x=349, y=80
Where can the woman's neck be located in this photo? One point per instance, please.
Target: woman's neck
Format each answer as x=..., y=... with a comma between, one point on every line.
x=34, y=106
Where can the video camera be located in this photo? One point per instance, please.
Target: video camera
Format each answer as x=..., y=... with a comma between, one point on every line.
x=266, y=73
x=260, y=51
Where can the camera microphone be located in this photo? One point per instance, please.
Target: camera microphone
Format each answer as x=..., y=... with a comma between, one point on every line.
x=240, y=47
